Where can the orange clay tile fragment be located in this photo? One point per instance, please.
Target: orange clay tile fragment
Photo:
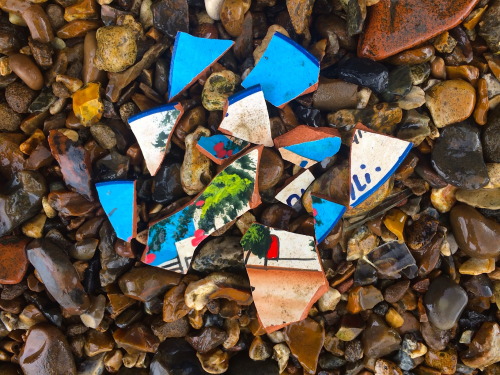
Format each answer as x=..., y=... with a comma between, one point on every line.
x=394, y=26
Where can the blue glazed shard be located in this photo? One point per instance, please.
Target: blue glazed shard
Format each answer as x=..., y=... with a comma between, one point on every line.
x=374, y=159
x=118, y=201
x=285, y=71
x=219, y=147
x=191, y=56
x=316, y=150
x=326, y=215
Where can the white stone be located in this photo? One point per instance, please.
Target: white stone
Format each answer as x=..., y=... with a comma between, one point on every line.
x=329, y=300
x=213, y=8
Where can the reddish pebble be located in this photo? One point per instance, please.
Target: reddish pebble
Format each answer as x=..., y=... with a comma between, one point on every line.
x=13, y=260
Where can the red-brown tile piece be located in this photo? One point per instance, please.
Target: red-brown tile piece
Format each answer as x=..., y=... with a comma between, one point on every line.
x=396, y=25
x=13, y=260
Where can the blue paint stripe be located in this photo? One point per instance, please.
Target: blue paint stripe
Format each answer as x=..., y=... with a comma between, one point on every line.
x=306, y=53
x=152, y=111
x=174, y=50
x=243, y=94
x=365, y=195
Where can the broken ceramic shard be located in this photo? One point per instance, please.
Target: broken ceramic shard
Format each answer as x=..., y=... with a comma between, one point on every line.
x=118, y=199
x=246, y=117
x=191, y=57
x=234, y=191
x=285, y=71
x=285, y=274
x=292, y=192
x=394, y=26
x=219, y=148
x=374, y=158
x=306, y=146
x=153, y=129
x=326, y=215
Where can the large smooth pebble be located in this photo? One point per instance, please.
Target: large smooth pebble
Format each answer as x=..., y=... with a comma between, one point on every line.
x=26, y=69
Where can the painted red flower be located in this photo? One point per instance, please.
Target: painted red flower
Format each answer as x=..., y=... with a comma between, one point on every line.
x=199, y=235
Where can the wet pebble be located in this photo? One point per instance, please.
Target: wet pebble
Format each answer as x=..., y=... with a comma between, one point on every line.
x=335, y=94
x=491, y=137
x=195, y=172
x=365, y=72
x=450, y=102
x=476, y=235
x=414, y=127
x=58, y=275
x=167, y=185
x=175, y=357
x=444, y=302
x=232, y=14
x=305, y=340
x=488, y=27
x=27, y=70
x=46, y=352
x=458, y=158
x=220, y=254
x=481, y=198
x=484, y=350
x=145, y=283
x=171, y=16
x=378, y=339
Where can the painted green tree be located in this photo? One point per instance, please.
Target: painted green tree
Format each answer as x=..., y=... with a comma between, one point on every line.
x=227, y=195
x=257, y=240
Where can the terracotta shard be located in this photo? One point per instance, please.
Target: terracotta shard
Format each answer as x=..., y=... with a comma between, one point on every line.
x=13, y=260
x=246, y=117
x=153, y=130
x=285, y=274
x=305, y=145
x=374, y=158
x=118, y=198
x=74, y=161
x=234, y=191
x=285, y=71
x=191, y=57
x=326, y=215
x=220, y=148
x=394, y=26
x=292, y=192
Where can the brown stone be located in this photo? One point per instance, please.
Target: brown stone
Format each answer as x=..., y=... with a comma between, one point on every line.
x=77, y=28
x=145, y=283
x=24, y=67
x=271, y=169
x=414, y=56
x=484, y=350
x=305, y=340
x=46, y=352
x=450, y=102
x=136, y=338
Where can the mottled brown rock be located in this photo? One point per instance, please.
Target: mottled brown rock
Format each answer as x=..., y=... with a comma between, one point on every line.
x=305, y=340
x=74, y=161
x=46, y=352
x=116, y=48
x=484, y=350
x=136, y=338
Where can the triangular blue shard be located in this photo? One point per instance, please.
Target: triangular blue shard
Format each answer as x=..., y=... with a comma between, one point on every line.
x=285, y=71
x=118, y=201
x=191, y=56
x=326, y=215
x=316, y=150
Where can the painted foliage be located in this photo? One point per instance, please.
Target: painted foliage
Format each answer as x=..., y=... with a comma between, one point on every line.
x=153, y=129
x=172, y=240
